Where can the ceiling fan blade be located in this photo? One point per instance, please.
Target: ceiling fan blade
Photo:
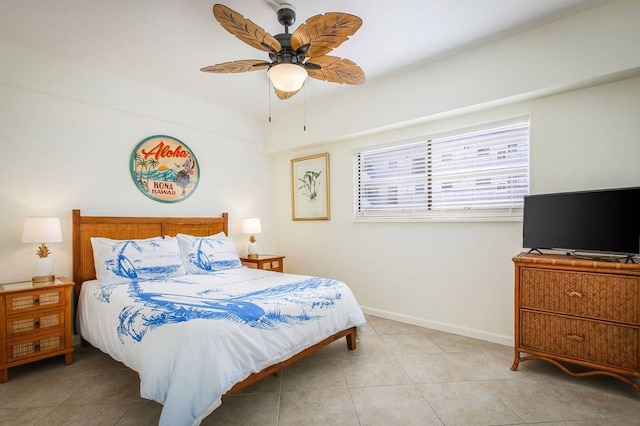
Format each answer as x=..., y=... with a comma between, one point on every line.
x=325, y=32
x=245, y=29
x=335, y=70
x=237, y=66
x=284, y=95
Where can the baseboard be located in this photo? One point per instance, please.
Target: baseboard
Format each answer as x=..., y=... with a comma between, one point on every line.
x=435, y=325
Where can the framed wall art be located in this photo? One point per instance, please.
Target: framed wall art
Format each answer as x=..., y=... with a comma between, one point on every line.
x=164, y=169
x=310, y=188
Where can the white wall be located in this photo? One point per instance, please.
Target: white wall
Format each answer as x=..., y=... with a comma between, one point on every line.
x=587, y=139
x=576, y=77
x=452, y=276
x=66, y=137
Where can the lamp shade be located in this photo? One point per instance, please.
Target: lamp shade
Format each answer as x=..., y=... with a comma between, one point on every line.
x=41, y=230
x=251, y=226
x=287, y=77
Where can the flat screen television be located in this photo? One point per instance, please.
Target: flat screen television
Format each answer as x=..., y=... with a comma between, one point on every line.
x=602, y=221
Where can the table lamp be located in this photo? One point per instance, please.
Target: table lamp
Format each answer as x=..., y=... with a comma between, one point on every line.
x=252, y=226
x=42, y=230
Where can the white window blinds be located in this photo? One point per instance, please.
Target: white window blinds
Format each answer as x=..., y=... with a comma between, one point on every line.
x=481, y=173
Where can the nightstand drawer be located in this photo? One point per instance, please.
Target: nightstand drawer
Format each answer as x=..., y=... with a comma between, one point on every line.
x=603, y=343
x=35, y=322
x=603, y=296
x=28, y=348
x=273, y=265
x=265, y=262
x=37, y=299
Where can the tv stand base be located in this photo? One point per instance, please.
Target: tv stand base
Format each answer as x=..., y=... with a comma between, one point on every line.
x=518, y=359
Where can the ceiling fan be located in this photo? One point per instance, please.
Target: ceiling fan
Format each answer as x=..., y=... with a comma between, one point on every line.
x=293, y=56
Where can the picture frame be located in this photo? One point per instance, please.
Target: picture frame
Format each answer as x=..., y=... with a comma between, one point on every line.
x=310, y=188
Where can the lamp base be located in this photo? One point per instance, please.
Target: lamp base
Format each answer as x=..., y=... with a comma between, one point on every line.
x=43, y=279
x=252, y=250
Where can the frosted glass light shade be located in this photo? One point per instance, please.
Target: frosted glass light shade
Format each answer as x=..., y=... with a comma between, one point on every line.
x=287, y=77
x=41, y=230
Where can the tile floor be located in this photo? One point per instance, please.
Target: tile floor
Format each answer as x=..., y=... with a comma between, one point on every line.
x=399, y=375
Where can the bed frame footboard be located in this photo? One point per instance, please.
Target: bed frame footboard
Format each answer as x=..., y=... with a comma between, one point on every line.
x=349, y=333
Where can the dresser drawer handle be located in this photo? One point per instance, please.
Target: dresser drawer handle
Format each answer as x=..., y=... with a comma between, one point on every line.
x=575, y=337
x=36, y=301
x=37, y=324
x=574, y=294
x=36, y=348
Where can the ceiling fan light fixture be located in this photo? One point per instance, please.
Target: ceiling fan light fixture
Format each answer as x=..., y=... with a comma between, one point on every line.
x=287, y=77
x=293, y=56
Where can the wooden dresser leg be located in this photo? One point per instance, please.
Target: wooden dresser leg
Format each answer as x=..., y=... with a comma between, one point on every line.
x=516, y=361
x=4, y=375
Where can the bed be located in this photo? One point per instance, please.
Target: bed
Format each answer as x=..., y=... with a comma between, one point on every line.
x=195, y=338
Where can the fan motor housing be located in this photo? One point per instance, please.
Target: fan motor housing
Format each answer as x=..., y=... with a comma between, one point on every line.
x=286, y=54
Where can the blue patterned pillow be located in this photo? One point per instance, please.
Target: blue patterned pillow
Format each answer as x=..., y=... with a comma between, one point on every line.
x=119, y=261
x=206, y=255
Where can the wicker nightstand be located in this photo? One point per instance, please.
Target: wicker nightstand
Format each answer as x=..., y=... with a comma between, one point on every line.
x=268, y=262
x=35, y=323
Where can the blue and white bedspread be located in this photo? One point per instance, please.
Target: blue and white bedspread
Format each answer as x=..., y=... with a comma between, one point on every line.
x=191, y=338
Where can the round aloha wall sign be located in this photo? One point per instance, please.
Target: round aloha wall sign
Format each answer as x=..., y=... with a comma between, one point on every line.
x=164, y=169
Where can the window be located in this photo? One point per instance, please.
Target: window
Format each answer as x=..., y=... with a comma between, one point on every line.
x=481, y=173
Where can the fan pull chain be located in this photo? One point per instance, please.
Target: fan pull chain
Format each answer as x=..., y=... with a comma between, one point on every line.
x=304, y=117
x=269, y=96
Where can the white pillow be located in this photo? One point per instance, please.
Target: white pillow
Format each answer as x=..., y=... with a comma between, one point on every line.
x=220, y=234
x=119, y=261
x=206, y=255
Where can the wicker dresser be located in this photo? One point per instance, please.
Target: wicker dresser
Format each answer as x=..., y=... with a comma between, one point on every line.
x=583, y=312
x=35, y=321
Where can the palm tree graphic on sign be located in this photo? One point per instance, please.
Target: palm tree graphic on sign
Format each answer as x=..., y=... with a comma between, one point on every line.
x=144, y=165
x=309, y=184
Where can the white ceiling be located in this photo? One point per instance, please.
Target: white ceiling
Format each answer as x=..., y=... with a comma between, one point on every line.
x=164, y=43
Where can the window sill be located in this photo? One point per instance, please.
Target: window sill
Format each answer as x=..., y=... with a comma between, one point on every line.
x=380, y=219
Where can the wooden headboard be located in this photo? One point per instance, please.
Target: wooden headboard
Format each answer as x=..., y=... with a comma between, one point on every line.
x=125, y=228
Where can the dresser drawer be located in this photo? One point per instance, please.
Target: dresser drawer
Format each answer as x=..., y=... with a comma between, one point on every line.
x=35, y=346
x=37, y=299
x=602, y=296
x=593, y=341
x=36, y=321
